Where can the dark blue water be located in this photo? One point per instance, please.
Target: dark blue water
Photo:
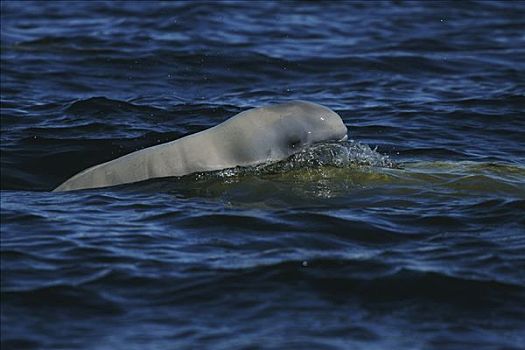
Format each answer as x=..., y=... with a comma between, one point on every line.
x=426, y=254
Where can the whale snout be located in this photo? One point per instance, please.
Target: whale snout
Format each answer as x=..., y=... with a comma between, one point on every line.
x=342, y=130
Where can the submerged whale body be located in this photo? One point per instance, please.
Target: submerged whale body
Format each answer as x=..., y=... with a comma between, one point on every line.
x=255, y=136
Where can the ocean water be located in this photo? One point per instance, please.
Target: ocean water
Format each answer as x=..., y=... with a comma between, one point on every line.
x=409, y=236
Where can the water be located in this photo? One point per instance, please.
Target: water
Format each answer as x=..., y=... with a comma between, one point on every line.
x=411, y=236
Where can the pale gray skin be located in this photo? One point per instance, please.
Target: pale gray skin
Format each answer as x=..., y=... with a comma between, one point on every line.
x=255, y=136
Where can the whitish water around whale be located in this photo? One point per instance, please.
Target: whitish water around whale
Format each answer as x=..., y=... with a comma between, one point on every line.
x=409, y=236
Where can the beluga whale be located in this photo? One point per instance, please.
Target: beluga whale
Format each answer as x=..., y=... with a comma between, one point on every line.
x=255, y=136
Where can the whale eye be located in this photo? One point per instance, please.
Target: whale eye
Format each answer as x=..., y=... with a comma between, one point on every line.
x=294, y=142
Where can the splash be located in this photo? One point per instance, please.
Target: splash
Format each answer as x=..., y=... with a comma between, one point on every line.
x=328, y=154
x=339, y=154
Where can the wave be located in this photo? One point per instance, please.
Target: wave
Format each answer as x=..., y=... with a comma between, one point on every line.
x=336, y=279
x=106, y=106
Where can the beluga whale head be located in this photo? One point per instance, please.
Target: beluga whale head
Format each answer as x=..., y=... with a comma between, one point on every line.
x=309, y=123
x=275, y=132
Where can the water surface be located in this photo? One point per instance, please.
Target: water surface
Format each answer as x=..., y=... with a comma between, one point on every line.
x=411, y=236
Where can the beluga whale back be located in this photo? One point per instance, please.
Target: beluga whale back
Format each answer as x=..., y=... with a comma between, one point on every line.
x=256, y=136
